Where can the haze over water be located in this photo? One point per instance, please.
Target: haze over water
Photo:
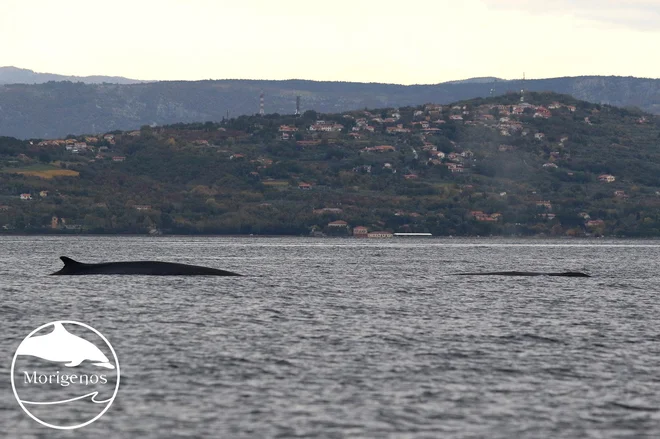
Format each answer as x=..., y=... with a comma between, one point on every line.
x=354, y=338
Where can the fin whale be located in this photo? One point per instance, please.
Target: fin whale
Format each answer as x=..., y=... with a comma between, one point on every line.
x=526, y=273
x=151, y=268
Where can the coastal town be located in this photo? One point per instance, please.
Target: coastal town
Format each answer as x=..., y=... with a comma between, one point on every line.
x=452, y=151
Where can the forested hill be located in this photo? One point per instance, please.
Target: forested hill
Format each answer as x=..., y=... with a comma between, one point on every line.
x=57, y=109
x=550, y=165
x=15, y=75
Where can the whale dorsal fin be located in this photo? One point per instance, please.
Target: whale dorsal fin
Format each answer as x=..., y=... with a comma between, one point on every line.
x=68, y=262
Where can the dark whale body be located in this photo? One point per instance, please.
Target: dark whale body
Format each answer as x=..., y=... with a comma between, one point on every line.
x=151, y=268
x=527, y=273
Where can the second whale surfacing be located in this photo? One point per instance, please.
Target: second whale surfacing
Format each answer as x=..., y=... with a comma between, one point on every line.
x=526, y=273
x=149, y=268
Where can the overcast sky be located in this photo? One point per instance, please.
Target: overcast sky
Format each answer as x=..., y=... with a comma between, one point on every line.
x=421, y=41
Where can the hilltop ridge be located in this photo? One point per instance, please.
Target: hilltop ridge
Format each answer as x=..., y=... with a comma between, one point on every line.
x=17, y=75
x=56, y=109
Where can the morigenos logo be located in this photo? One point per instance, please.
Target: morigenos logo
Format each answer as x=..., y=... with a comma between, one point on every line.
x=65, y=375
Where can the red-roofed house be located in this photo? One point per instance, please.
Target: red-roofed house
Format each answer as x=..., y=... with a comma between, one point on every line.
x=595, y=223
x=397, y=129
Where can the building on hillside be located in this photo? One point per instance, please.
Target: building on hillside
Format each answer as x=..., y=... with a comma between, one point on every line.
x=397, y=129
x=484, y=217
x=381, y=148
x=606, y=178
x=595, y=223
x=455, y=168
x=326, y=126
x=381, y=234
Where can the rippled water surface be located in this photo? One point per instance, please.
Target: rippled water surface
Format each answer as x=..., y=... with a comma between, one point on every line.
x=353, y=338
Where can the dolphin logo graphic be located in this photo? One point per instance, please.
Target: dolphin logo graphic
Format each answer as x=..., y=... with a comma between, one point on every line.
x=63, y=347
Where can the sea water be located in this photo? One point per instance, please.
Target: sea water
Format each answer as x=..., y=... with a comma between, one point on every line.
x=353, y=338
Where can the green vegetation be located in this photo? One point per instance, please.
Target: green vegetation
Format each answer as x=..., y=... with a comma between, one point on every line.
x=504, y=169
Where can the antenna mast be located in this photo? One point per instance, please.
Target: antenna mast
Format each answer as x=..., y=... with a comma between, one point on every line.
x=261, y=104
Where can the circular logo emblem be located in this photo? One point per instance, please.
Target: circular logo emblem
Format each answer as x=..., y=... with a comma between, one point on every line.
x=65, y=375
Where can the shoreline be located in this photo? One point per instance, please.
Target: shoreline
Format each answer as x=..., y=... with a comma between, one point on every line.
x=405, y=238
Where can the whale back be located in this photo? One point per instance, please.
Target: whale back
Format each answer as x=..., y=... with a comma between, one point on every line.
x=72, y=267
x=526, y=273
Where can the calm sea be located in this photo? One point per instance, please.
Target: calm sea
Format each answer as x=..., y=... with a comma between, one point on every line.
x=353, y=338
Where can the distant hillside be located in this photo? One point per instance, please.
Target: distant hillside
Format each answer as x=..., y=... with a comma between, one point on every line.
x=551, y=165
x=485, y=80
x=56, y=109
x=15, y=75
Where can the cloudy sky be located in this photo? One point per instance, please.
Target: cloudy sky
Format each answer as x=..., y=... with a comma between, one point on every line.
x=423, y=41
